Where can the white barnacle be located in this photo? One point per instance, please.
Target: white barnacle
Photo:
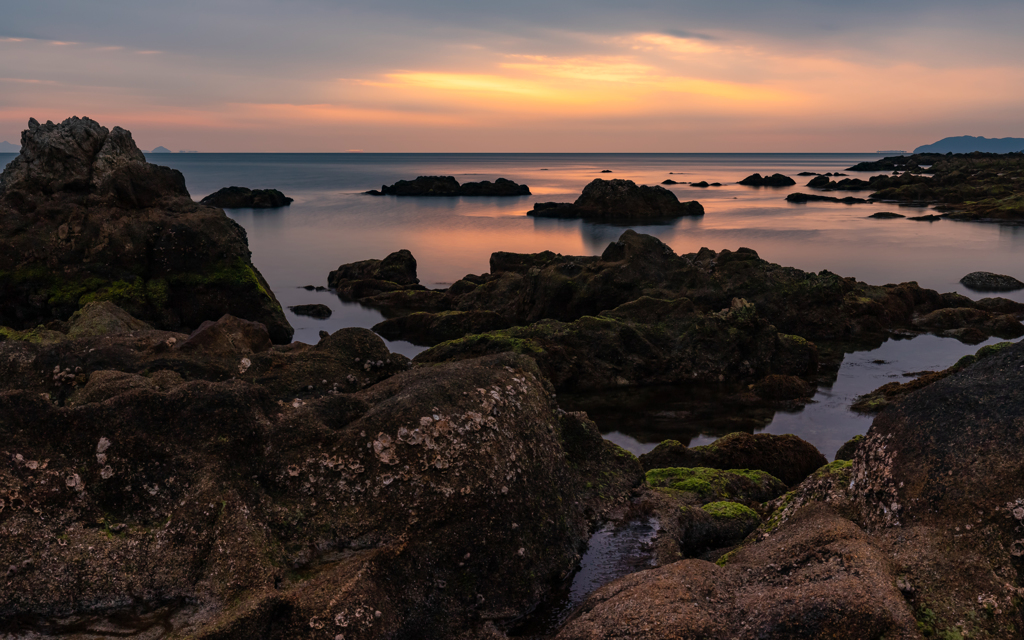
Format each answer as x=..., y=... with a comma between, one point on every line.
x=106, y=472
x=1018, y=513
x=244, y=365
x=103, y=445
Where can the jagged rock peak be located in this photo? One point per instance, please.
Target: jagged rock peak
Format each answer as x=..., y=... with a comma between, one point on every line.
x=79, y=155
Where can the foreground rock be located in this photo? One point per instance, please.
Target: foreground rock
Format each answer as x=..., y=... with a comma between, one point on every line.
x=620, y=200
x=774, y=180
x=985, y=281
x=921, y=536
x=241, y=198
x=84, y=217
x=447, y=186
x=153, y=480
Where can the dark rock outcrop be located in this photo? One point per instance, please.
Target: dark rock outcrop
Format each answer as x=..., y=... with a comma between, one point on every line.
x=447, y=186
x=774, y=180
x=886, y=215
x=985, y=281
x=84, y=217
x=787, y=457
x=398, y=268
x=620, y=200
x=241, y=197
x=189, y=484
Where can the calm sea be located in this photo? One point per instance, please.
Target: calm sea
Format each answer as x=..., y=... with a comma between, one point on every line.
x=331, y=223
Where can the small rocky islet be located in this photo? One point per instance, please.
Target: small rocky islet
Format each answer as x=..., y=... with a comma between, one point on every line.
x=619, y=200
x=243, y=197
x=192, y=475
x=449, y=187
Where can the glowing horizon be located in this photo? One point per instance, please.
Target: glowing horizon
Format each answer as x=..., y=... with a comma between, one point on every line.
x=732, y=84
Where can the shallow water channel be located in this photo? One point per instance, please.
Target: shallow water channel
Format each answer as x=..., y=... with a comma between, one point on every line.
x=615, y=550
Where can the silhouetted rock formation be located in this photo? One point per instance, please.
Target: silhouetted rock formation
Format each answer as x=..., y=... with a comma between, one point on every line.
x=241, y=197
x=84, y=217
x=447, y=186
x=620, y=200
x=774, y=180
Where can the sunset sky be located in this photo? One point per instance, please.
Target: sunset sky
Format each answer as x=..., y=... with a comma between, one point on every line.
x=570, y=76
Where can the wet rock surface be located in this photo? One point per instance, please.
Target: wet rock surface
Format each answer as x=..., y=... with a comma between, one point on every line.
x=84, y=218
x=447, y=186
x=985, y=281
x=243, y=197
x=620, y=200
x=233, y=488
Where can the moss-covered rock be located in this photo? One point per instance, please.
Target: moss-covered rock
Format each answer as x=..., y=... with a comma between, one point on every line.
x=785, y=457
x=702, y=485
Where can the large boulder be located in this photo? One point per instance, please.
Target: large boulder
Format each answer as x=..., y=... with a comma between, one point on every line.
x=84, y=217
x=243, y=197
x=620, y=200
x=421, y=504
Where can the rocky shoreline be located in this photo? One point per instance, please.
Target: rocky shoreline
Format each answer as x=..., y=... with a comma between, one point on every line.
x=172, y=474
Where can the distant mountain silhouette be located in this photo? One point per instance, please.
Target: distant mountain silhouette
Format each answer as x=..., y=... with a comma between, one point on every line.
x=967, y=144
x=161, y=150
x=7, y=147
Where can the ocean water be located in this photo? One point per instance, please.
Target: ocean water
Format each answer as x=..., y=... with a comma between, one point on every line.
x=331, y=222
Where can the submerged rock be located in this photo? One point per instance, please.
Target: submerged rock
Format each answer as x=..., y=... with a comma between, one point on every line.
x=985, y=281
x=620, y=200
x=84, y=218
x=318, y=311
x=808, y=197
x=241, y=197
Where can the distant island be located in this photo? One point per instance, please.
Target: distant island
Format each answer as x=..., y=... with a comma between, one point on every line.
x=7, y=147
x=160, y=150
x=969, y=144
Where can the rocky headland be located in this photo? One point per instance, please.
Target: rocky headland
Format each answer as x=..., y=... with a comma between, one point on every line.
x=972, y=186
x=447, y=186
x=619, y=200
x=84, y=217
x=242, y=197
